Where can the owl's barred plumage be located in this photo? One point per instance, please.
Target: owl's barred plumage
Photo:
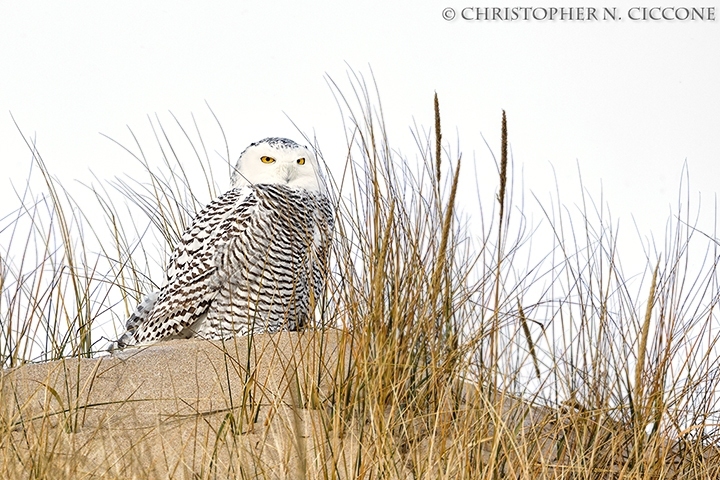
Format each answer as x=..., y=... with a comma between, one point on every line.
x=253, y=260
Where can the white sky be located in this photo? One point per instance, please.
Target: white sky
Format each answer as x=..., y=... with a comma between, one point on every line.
x=630, y=101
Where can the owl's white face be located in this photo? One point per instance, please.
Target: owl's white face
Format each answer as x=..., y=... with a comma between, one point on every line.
x=278, y=161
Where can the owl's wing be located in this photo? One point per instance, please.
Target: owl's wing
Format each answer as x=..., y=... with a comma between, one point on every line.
x=189, y=287
x=319, y=258
x=324, y=224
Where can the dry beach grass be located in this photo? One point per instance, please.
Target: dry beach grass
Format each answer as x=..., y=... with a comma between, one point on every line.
x=456, y=358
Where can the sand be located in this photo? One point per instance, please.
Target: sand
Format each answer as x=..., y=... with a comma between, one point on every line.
x=247, y=408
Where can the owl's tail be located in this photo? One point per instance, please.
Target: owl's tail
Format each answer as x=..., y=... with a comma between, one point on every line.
x=136, y=319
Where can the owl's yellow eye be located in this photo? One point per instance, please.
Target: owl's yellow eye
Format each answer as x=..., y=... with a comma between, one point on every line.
x=266, y=159
x=301, y=161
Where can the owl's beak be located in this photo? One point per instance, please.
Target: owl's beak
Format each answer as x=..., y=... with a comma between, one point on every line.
x=289, y=172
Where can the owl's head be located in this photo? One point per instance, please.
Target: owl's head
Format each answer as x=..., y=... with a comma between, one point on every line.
x=278, y=161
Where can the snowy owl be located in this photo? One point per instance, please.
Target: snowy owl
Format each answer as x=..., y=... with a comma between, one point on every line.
x=253, y=260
